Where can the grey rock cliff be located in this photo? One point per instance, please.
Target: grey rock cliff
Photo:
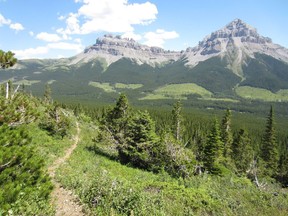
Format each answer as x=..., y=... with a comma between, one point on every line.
x=235, y=41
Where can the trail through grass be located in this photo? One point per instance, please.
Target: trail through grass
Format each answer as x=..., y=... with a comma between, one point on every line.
x=65, y=202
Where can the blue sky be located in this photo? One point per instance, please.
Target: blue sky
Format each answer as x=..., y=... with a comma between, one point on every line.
x=63, y=28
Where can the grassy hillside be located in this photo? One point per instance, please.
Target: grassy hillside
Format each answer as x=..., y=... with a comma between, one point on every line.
x=107, y=187
x=178, y=91
x=266, y=72
x=262, y=94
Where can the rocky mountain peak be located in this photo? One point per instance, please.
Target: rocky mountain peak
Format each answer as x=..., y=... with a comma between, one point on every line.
x=116, y=44
x=113, y=48
x=235, y=41
x=237, y=29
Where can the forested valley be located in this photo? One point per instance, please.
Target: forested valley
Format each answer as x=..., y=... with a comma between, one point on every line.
x=139, y=161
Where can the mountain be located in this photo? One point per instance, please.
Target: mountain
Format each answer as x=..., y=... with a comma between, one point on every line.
x=231, y=64
x=236, y=42
x=113, y=49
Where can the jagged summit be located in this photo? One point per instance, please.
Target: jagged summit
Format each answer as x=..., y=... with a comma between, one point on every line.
x=238, y=28
x=112, y=48
x=236, y=32
x=236, y=40
x=118, y=41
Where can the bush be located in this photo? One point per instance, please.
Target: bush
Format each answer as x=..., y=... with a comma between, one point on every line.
x=21, y=172
x=55, y=122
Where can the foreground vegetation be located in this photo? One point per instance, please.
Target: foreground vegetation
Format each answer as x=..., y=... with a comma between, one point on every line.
x=137, y=162
x=109, y=188
x=125, y=177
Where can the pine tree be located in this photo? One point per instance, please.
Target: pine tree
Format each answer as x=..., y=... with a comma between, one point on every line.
x=283, y=174
x=21, y=171
x=116, y=119
x=226, y=134
x=47, y=94
x=121, y=108
x=242, y=152
x=55, y=122
x=142, y=147
x=269, y=149
x=177, y=120
x=7, y=59
x=213, y=150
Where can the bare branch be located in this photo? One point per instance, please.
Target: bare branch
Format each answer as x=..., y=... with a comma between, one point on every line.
x=7, y=91
x=2, y=167
x=15, y=91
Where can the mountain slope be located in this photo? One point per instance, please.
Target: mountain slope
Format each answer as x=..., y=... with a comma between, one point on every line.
x=233, y=56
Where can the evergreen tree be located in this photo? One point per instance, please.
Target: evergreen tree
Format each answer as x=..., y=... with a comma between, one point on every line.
x=213, y=150
x=7, y=59
x=177, y=120
x=242, y=152
x=21, y=171
x=18, y=110
x=142, y=146
x=55, y=122
x=283, y=166
x=269, y=149
x=22, y=176
x=121, y=108
x=226, y=134
x=117, y=118
x=47, y=94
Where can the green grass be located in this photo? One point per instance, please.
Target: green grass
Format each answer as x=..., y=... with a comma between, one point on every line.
x=221, y=99
x=128, y=86
x=248, y=92
x=108, y=188
x=104, y=86
x=160, y=97
x=26, y=82
x=178, y=91
x=50, y=147
x=183, y=89
x=51, y=81
x=107, y=87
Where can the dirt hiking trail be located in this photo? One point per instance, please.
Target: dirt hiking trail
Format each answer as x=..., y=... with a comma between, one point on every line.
x=65, y=202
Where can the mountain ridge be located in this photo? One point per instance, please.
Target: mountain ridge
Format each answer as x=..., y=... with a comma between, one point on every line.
x=226, y=60
x=237, y=41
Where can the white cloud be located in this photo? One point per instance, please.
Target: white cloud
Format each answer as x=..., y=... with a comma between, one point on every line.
x=159, y=37
x=61, y=18
x=4, y=21
x=44, y=51
x=132, y=35
x=16, y=26
x=31, y=52
x=31, y=33
x=48, y=37
x=109, y=16
x=77, y=47
x=72, y=27
x=78, y=40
